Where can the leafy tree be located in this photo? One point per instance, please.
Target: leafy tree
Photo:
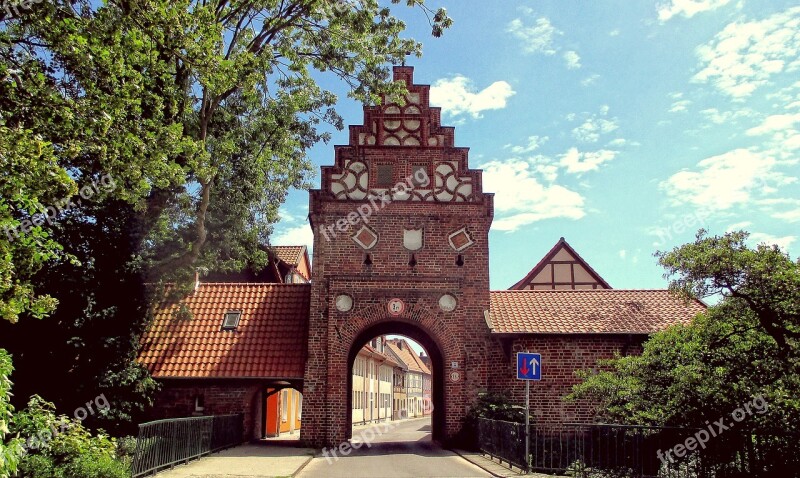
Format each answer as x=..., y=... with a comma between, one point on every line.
x=11, y=449
x=199, y=115
x=764, y=280
x=690, y=374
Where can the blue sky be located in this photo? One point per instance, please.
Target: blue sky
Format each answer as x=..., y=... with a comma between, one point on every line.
x=621, y=126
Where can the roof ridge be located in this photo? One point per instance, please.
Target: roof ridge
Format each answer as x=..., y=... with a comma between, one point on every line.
x=286, y=284
x=545, y=291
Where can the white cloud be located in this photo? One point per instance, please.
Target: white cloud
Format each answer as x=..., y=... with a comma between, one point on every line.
x=576, y=162
x=573, y=60
x=725, y=180
x=590, y=80
x=768, y=239
x=743, y=225
x=534, y=142
x=723, y=117
x=792, y=215
x=773, y=124
x=594, y=126
x=743, y=56
x=614, y=33
x=687, y=8
x=622, y=142
x=458, y=95
x=301, y=235
x=520, y=198
x=679, y=106
x=623, y=254
x=536, y=37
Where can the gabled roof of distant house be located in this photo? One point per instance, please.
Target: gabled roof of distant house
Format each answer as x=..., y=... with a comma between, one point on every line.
x=370, y=351
x=270, y=340
x=407, y=355
x=562, y=260
x=294, y=256
x=597, y=311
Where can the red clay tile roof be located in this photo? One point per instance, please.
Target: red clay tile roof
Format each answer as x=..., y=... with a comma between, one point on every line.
x=597, y=311
x=270, y=341
x=368, y=350
x=292, y=255
x=408, y=356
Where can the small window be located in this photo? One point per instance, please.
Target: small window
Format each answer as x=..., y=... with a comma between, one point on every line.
x=385, y=176
x=231, y=320
x=198, y=404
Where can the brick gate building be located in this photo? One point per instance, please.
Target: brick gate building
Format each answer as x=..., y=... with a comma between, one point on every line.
x=401, y=227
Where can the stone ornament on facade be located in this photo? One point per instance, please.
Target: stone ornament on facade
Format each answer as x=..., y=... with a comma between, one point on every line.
x=460, y=239
x=365, y=237
x=413, y=239
x=344, y=303
x=448, y=185
x=447, y=303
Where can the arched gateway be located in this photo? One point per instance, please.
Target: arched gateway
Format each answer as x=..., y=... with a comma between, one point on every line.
x=400, y=246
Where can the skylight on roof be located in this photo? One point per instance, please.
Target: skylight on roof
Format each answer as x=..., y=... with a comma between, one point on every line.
x=231, y=319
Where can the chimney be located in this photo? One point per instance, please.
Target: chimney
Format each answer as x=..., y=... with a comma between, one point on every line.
x=196, y=279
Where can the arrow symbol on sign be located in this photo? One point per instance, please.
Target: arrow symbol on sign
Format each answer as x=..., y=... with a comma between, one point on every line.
x=524, y=369
x=534, y=364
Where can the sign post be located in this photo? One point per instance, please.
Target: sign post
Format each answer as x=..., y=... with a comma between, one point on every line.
x=529, y=367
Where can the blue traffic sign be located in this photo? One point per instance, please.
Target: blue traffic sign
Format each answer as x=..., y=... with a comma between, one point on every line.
x=529, y=366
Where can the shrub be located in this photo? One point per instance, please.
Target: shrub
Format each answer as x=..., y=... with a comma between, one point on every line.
x=491, y=405
x=11, y=450
x=58, y=447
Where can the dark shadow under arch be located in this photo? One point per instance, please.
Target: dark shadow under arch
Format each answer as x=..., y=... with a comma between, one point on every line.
x=432, y=347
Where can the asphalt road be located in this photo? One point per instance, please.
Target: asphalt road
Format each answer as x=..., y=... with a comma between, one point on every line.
x=393, y=449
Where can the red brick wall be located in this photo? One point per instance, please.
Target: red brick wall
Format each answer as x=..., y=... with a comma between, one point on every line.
x=177, y=399
x=460, y=336
x=562, y=355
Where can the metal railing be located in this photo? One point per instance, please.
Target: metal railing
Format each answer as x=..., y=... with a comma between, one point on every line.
x=503, y=440
x=633, y=451
x=165, y=443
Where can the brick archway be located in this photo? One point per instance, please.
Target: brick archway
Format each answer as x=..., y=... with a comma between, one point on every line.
x=419, y=325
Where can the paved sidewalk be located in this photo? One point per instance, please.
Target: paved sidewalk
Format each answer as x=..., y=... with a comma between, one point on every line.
x=492, y=466
x=246, y=461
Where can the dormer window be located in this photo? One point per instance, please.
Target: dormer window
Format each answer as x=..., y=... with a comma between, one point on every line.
x=231, y=320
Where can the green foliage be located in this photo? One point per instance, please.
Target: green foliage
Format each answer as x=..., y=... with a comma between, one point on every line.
x=579, y=469
x=202, y=113
x=491, y=405
x=496, y=406
x=725, y=358
x=31, y=180
x=10, y=449
x=764, y=280
x=60, y=448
